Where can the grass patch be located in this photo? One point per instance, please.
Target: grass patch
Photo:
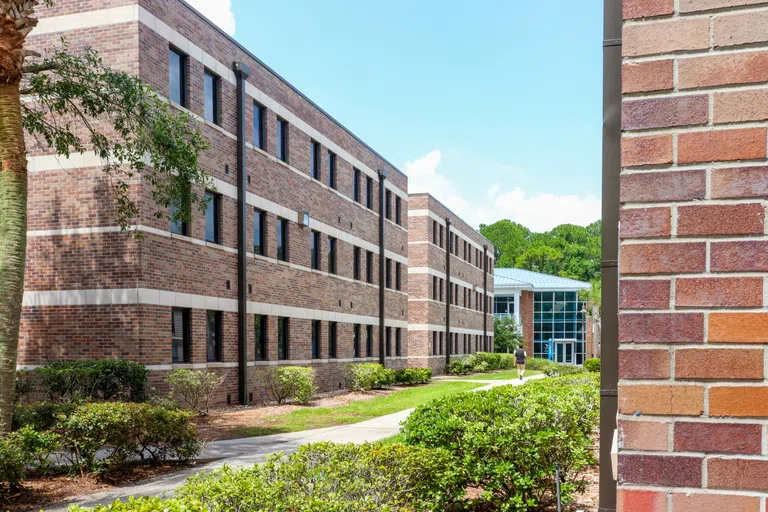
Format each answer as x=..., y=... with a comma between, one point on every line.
x=355, y=412
x=501, y=375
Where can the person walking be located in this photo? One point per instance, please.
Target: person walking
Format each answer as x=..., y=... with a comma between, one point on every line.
x=520, y=356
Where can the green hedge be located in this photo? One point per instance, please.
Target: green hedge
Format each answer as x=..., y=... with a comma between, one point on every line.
x=40, y=415
x=295, y=383
x=412, y=376
x=94, y=379
x=144, y=505
x=368, y=376
x=509, y=438
x=592, y=365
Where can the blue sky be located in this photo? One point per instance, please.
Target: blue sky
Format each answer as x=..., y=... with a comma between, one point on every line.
x=492, y=105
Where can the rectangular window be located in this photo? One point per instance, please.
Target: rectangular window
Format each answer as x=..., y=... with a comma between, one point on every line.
x=434, y=343
x=282, y=140
x=388, y=281
x=213, y=218
x=178, y=227
x=315, y=339
x=314, y=160
x=389, y=341
x=314, y=242
x=258, y=126
x=331, y=170
x=180, y=335
x=331, y=340
x=441, y=236
x=260, y=329
x=331, y=255
x=397, y=276
x=282, y=339
x=259, y=220
x=356, y=186
x=398, y=341
x=356, y=342
x=398, y=211
x=434, y=288
x=441, y=343
x=368, y=341
x=211, y=86
x=369, y=192
x=282, y=239
x=213, y=336
x=434, y=232
x=441, y=290
x=369, y=267
x=388, y=202
x=356, y=263
x=177, y=75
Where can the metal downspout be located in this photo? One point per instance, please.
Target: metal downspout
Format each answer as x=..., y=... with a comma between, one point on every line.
x=485, y=298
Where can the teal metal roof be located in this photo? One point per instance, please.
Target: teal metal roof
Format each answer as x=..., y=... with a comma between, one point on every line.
x=529, y=280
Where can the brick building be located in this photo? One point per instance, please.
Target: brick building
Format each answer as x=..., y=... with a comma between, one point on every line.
x=464, y=280
x=693, y=316
x=309, y=191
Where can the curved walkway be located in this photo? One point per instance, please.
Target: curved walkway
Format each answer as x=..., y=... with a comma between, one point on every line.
x=252, y=450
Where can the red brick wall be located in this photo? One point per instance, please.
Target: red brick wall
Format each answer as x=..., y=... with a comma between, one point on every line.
x=692, y=321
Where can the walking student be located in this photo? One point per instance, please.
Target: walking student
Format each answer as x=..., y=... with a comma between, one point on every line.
x=520, y=356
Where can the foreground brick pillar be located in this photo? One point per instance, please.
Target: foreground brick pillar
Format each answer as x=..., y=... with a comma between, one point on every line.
x=693, y=399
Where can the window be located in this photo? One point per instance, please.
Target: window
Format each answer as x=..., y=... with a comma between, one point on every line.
x=282, y=339
x=356, y=263
x=369, y=267
x=314, y=242
x=260, y=329
x=441, y=343
x=331, y=170
x=314, y=160
x=398, y=211
x=397, y=276
x=389, y=341
x=315, y=339
x=213, y=336
x=368, y=341
x=178, y=227
x=258, y=126
x=434, y=288
x=331, y=340
x=441, y=290
x=464, y=303
x=398, y=341
x=259, y=224
x=211, y=86
x=434, y=343
x=434, y=232
x=177, y=77
x=180, y=335
x=356, y=186
x=388, y=281
x=212, y=218
x=441, y=236
x=282, y=239
x=356, y=342
x=282, y=140
x=369, y=192
x=465, y=250
x=331, y=255
x=388, y=202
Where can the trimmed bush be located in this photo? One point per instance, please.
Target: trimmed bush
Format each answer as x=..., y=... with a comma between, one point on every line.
x=41, y=415
x=592, y=365
x=194, y=388
x=559, y=370
x=368, y=376
x=13, y=463
x=412, y=376
x=460, y=366
x=495, y=361
x=94, y=379
x=509, y=438
x=144, y=505
x=23, y=385
x=295, y=383
x=331, y=477
x=38, y=446
x=538, y=364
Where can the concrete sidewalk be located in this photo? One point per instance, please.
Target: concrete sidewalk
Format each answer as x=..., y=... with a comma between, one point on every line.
x=252, y=450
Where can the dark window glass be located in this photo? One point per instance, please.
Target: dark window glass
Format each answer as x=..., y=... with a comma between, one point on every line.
x=282, y=339
x=368, y=341
x=434, y=232
x=177, y=84
x=398, y=341
x=368, y=192
x=314, y=242
x=441, y=290
x=331, y=255
x=441, y=343
x=369, y=267
x=388, y=278
x=213, y=336
x=356, y=185
x=356, y=343
x=356, y=263
x=259, y=220
x=315, y=339
x=331, y=340
x=331, y=170
x=282, y=140
x=389, y=341
x=434, y=288
x=258, y=126
x=398, y=211
x=441, y=236
x=178, y=226
x=212, y=218
x=260, y=328
x=282, y=239
x=180, y=335
x=434, y=343
x=388, y=204
x=211, y=86
x=314, y=160
x=397, y=276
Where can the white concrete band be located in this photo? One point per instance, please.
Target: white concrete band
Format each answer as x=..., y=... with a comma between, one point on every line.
x=434, y=272
x=441, y=328
x=432, y=215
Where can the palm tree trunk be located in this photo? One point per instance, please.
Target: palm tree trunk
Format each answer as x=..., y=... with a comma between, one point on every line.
x=13, y=241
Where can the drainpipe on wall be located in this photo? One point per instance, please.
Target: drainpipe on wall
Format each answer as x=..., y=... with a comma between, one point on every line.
x=450, y=291
x=485, y=298
x=609, y=368
x=242, y=71
x=382, y=262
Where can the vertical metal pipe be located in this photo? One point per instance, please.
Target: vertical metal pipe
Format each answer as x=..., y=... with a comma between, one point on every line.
x=485, y=298
x=382, y=263
x=242, y=71
x=609, y=374
x=448, y=248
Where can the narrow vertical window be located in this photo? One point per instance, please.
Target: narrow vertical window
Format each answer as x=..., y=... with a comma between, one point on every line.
x=331, y=255
x=282, y=140
x=356, y=185
x=213, y=336
x=441, y=236
x=388, y=204
x=369, y=192
x=282, y=339
x=356, y=263
x=441, y=343
x=213, y=218
x=177, y=75
x=180, y=335
x=388, y=277
x=331, y=340
x=211, y=92
x=314, y=242
x=331, y=170
x=369, y=267
x=368, y=341
x=356, y=342
x=260, y=331
x=441, y=290
x=259, y=219
x=258, y=126
x=434, y=288
x=398, y=341
x=315, y=339
x=314, y=160
x=397, y=276
x=434, y=343
x=389, y=341
x=398, y=211
x=282, y=239
x=434, y=232
x=178, y=226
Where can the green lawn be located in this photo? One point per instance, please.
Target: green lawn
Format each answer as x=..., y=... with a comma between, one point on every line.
x=319, y=417
x=501, y=375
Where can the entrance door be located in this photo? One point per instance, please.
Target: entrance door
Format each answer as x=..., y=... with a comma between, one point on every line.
x=564, y=351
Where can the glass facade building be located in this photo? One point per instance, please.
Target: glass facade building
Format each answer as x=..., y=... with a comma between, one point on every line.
x=558, y=316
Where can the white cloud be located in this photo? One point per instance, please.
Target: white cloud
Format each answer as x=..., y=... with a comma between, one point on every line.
x=218, y=11
x=539, y=212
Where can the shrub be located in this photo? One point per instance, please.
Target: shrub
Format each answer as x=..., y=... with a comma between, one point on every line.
x=41, y=415
x=494, y=361
x=38, y=446
x=508, y=438
x=335, y=477
x=538, y=364
x=144, y=505
x=368, y=376
x=194, y=388
x=411, y=376
x=94, y=379
x=559, y=370
x=592, y=365
x=23, y=385
x=480, y=367
x=13, y=462
x=459, y=367
x=291, y=383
